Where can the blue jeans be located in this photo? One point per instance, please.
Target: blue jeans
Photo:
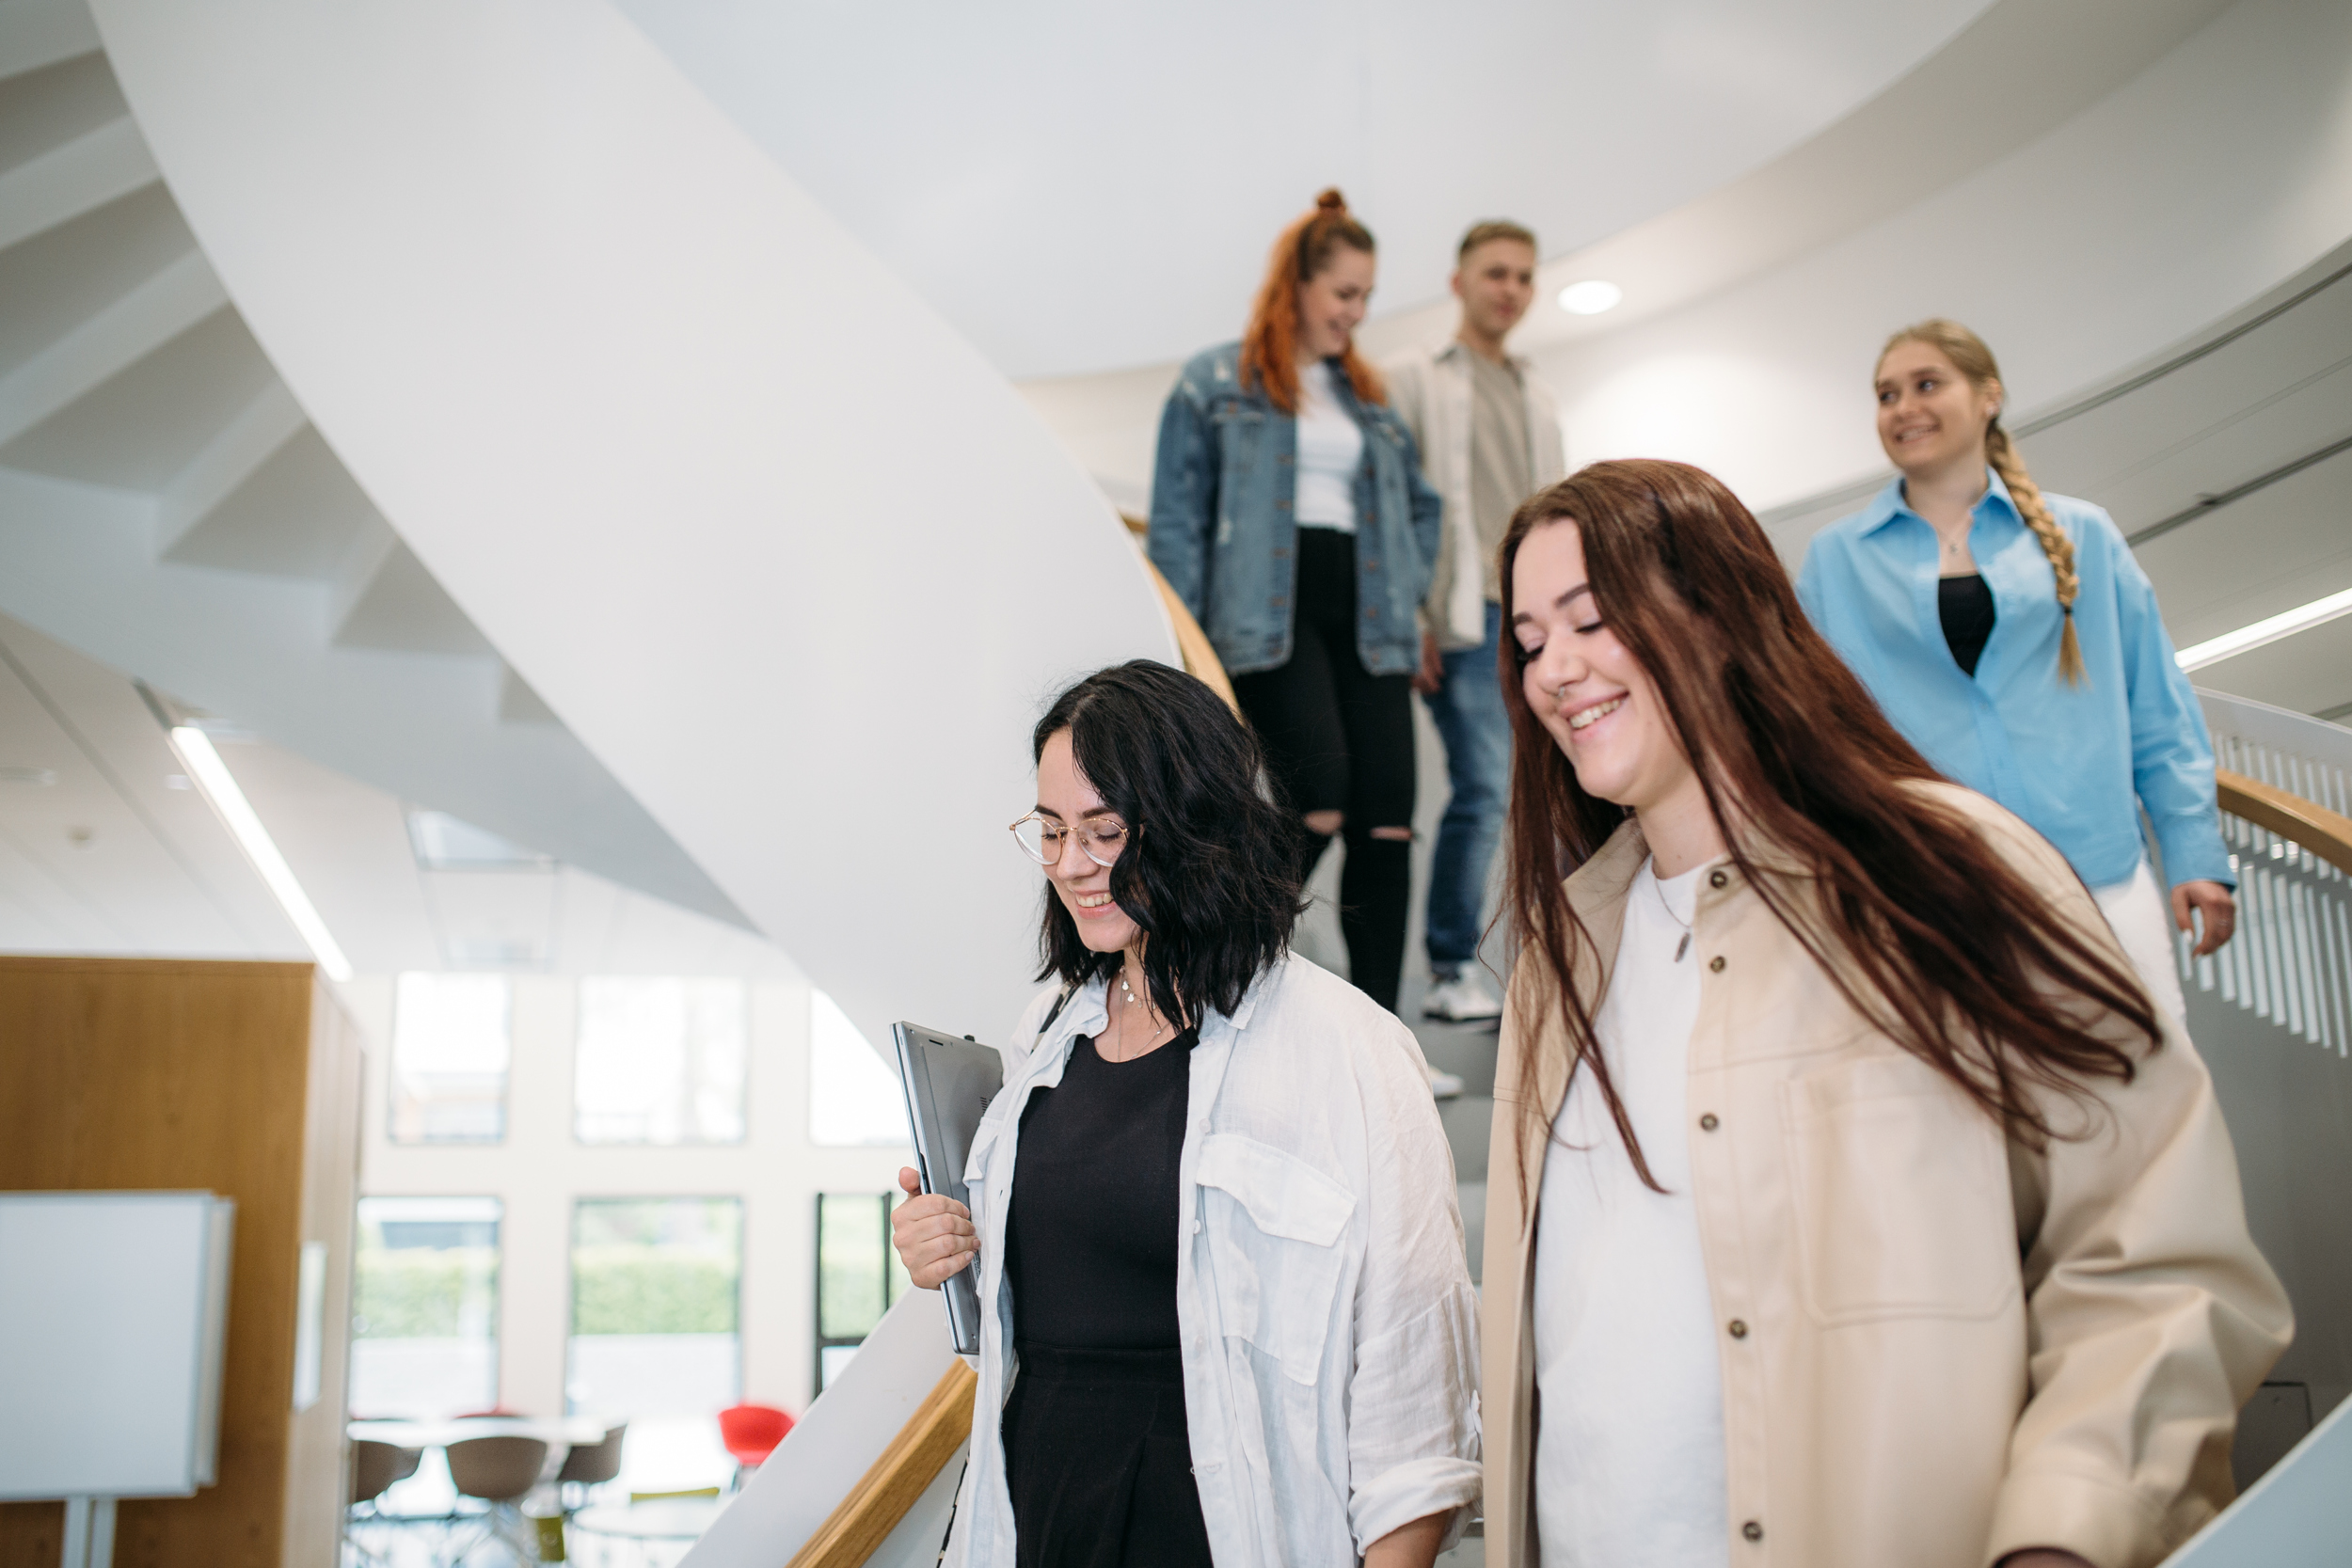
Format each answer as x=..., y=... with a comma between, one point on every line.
x=1477, y=730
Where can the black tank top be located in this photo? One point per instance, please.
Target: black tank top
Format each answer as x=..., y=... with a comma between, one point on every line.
x=1091, y=1242
x=1965, y=604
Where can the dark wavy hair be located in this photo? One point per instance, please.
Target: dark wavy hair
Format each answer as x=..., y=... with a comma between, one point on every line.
x=1210, y=872
x=1923, y=927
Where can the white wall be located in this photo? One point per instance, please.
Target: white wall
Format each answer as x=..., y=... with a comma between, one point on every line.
x=540, y=1169
x=2223, y=169
x=2200, y=183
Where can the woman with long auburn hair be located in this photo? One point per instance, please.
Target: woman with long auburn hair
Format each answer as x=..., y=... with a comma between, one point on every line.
x=2011, y=637
x=1852, y=1202
x=1290, y=514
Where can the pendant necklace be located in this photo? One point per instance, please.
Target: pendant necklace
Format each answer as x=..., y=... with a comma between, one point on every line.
x=1127, y=996
x=1683, y=946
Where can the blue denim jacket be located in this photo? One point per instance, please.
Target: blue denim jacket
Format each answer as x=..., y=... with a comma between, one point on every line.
x=1223, y=535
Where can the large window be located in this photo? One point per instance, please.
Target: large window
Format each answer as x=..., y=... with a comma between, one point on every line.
x=853, y=1097
x=424, y=1313
x=660, y=1061
x=656, y=1284
x=858, y=1275
x=449, y=1051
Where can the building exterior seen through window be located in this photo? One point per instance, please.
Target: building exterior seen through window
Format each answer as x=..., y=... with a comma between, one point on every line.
x=657, y=1287
x=858, y=1275
x=425, y=1307
x=451, y=1041
x=660, y=1061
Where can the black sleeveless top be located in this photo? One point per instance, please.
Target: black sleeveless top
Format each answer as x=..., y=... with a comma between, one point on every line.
x=1091, y=1242
x=1965, y=604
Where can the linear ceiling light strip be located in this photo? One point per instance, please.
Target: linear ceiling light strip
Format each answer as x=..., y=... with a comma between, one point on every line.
x=220, y=786
x=2245, y=639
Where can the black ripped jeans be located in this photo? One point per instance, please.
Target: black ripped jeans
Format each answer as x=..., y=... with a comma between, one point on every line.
x=1338, y=738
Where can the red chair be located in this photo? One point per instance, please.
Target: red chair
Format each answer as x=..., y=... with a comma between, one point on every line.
x=751, y=1432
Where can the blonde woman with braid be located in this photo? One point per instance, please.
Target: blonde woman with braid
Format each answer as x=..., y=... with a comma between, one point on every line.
x=2011, y=637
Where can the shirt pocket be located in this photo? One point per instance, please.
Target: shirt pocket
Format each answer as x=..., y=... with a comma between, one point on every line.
x=1900, y=1188
x=1274, y=1224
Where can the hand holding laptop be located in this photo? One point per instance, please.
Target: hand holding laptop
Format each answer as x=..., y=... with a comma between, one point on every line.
x=932, y=1232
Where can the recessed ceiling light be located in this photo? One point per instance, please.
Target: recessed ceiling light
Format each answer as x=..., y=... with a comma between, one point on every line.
x=2229, y=644
x=1590, y=297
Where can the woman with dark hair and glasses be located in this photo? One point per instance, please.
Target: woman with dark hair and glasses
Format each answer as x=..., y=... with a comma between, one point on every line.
x=1854, y=1201
x=1214, y=1209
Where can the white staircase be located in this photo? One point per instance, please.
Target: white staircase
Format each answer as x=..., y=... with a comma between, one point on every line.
x=166, y=506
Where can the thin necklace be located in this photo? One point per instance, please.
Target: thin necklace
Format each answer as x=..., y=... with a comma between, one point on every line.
x=1683, y=946
x=1127, y=995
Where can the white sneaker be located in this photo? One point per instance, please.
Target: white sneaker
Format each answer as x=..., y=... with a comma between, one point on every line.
x=1444, y=1085
x=1460, y=999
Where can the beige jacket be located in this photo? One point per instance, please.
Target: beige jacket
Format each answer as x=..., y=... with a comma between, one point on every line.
x=1939, y=1346
x=1430, y=391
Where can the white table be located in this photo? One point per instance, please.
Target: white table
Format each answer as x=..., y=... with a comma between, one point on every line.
x=556, y=1432
x=560, y=1433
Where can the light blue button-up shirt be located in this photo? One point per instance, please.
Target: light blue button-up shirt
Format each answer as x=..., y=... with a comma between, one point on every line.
x=2070, y=760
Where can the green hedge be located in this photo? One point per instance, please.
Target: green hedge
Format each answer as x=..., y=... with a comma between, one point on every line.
x=419, y=1292
x=638, y=1289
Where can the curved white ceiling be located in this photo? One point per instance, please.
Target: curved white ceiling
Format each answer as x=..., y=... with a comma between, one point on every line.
x=1080, y=187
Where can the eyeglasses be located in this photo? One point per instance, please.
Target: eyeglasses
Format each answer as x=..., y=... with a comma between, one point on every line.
x=1043, y=839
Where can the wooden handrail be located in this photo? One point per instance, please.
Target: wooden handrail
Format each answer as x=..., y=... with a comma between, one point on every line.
x=2323, y=833
x=895, y=1482
x=1201, y=659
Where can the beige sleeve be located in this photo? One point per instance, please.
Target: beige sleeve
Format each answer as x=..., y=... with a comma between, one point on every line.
x=2150, y=1316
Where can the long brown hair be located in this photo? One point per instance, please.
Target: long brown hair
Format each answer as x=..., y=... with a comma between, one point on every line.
x=1923, y=928
x=1269, y=346
x=1972, y=358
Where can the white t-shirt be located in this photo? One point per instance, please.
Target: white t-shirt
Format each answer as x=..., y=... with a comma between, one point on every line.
x=1331, y=449
x=1629, y=1444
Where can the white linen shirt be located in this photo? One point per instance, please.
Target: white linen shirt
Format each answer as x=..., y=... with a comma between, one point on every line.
x=1329, y=1332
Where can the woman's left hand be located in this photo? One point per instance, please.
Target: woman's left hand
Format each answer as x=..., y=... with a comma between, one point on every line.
x=2219, y=909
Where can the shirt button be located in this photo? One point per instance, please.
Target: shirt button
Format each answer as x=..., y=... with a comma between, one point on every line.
x=1716, y=963
x=1738, y=1328
x=1753, y=1530
x=1718, y=879
x=1708, y=1122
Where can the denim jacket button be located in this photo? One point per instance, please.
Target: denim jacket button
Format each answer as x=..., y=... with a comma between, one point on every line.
x=1372, y=565
x=1283, y=503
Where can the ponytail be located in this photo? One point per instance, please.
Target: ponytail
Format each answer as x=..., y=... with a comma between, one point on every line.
x=1972, y=358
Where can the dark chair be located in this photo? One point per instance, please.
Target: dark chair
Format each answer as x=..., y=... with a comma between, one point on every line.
x=590, y=1464
x=376, y=1468
x=500, y=1471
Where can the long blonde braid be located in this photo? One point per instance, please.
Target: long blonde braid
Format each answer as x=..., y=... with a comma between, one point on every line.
x=1969, y=356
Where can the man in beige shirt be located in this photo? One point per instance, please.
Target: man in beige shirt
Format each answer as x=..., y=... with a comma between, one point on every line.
x=1489, y=437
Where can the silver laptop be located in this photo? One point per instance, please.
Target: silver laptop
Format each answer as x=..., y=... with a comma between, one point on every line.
x=949, y=1081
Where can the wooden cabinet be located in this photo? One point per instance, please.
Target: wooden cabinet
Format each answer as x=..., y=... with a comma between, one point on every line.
x=243, y=1078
